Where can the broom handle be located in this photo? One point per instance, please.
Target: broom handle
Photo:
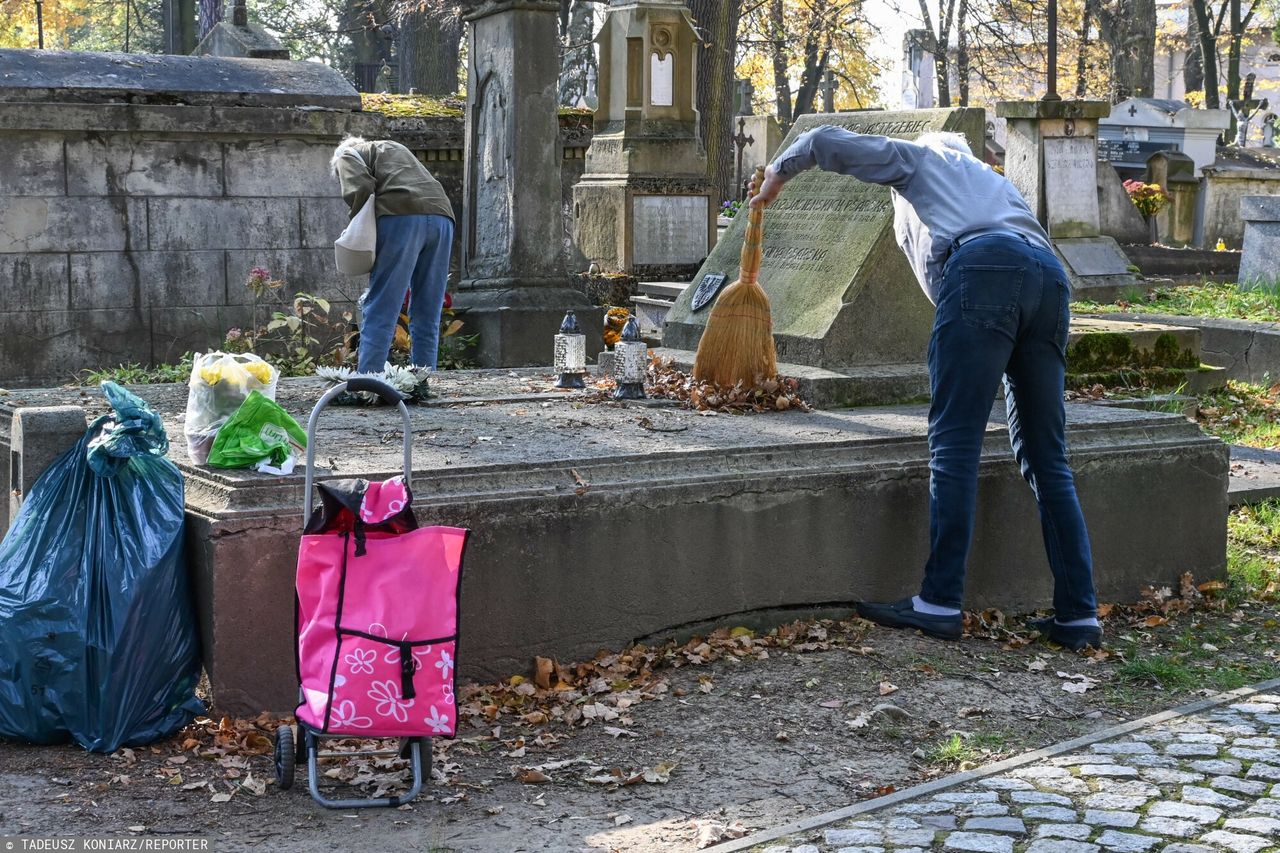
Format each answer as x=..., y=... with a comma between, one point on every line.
x=753, y=243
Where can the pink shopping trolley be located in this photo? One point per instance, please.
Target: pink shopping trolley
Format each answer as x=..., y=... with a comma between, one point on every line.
x=376, y=613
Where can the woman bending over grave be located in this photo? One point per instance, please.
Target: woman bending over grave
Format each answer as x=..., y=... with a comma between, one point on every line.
x=415, y=239
x=1002, y=312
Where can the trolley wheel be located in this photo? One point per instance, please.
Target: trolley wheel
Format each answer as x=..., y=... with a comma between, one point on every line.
x=285, y=758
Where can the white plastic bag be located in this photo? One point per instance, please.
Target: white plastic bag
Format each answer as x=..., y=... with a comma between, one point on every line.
x=354, y=251
x=219, y=384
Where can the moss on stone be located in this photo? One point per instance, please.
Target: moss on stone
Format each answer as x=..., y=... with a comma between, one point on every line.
x=411, y=106
x=1099, y=351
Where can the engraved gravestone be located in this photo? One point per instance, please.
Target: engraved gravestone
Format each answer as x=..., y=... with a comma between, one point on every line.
x=841, y=292
x=1070, y=179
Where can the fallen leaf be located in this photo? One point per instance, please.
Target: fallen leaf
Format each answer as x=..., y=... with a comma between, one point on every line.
x=831, y=703
x=621, y=819
x=970, y=711
x=886, y=688
x=712, y=832
x=531, y=776
x=660, y=774
x=257, y=787
x=614, y=731
x=1037, y=665
x=542, y=669
x=581, y=484
x=223, y=798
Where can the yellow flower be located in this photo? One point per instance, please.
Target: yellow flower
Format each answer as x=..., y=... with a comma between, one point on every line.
x=260, y=371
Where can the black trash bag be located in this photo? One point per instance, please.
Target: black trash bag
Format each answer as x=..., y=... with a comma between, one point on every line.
x=98, y=637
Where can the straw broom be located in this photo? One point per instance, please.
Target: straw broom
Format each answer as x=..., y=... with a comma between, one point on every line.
x=737, y=345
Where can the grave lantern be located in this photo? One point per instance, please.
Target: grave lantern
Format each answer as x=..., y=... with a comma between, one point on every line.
x=570, y=357
x=629, y=357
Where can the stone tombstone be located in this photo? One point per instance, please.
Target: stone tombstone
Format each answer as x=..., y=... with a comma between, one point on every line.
x=1046, y=143
x=841, y=291
x=1070, y=178
x=1176, y=173
x=1260, y=256
x=645, y=205
x=514, y=286
x=240, y=38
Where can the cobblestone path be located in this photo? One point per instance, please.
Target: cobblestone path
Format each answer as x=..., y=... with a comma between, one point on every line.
x=1202, y=783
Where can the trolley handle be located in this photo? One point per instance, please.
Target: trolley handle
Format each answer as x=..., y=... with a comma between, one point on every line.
x=390, y=396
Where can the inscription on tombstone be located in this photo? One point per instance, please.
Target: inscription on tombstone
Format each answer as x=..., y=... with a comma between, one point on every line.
x=1070, y=186
x=841, y=292
x=669, y=229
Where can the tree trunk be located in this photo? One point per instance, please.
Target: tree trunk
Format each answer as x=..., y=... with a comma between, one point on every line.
x=1130, y=34
x=962, y=52
x=1208, y=53
x=781, y=83
x=1082, y=58
x=1193, y=67
x=717, y=22
x=429, y=44
x=210, y=15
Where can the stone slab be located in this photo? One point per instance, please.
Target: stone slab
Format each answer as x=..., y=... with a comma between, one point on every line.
x=132, y=280
x=841, y=291
x=224, y=223
x=280, y=167
x=122, y=164
x=49, y=346
x=669, y=229
x=323, y=220
x=1070, y=184
x=79, y=76
x=1093, y=256
x=749, y=487
x=35, y=282
x=33, y=165
x=1249, y=350
x=1260, y=255
x=62, y=224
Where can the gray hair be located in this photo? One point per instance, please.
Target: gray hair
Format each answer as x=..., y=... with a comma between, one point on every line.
x=946, y=140
x=343, y=146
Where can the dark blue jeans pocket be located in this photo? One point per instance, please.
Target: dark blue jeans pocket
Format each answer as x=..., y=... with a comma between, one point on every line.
x=989, y=295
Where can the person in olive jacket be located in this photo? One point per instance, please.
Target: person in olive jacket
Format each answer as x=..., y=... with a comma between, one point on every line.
x=415, y=239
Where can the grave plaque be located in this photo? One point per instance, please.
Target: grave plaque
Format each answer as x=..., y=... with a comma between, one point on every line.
x=669, y=229
x=1070, y=186
x=1087, y=256
x=840, y=289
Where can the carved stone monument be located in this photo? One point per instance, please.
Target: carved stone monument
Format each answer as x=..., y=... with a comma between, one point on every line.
x=644, y=204
x=843, y=296
x=1051, y=157
x=514, y=286
x=240, y=38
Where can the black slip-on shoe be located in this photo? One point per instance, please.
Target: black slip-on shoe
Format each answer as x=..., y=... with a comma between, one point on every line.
x=901, y=614
x=1074, y=637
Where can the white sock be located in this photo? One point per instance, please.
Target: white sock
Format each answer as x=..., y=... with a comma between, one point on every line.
x=920, y=606
x=1088, y=622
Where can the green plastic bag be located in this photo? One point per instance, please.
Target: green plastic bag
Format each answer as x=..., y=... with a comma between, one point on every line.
x=258, y=430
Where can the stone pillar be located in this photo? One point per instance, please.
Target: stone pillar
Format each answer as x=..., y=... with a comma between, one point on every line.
x=1051, y=155
x=514, y=287
x=1175, y=172
x=37, y=437
x=1260, y=258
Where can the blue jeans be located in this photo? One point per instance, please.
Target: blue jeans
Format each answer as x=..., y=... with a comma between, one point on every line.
x=412, y=256
x=1003, y=310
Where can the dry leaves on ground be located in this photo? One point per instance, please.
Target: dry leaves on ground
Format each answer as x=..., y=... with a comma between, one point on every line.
x=666, y=381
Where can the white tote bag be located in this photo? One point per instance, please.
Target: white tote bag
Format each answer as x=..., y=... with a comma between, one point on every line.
x=355, y=250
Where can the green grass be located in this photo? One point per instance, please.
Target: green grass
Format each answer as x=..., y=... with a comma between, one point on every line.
x=1165, y=671
x=138, y=374
x=1242, y=413
x=1210, y=299
x=952, y=750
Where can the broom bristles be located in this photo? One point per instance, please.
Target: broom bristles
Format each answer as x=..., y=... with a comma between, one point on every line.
x=737, y=344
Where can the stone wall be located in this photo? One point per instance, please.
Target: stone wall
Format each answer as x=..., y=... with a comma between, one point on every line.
x=1224, y=188
x=127, y=230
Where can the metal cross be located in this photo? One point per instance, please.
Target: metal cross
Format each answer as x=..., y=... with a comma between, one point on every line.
x=1052, y=93
x=741, y=141
x=828, y=89
x=1133, y=110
